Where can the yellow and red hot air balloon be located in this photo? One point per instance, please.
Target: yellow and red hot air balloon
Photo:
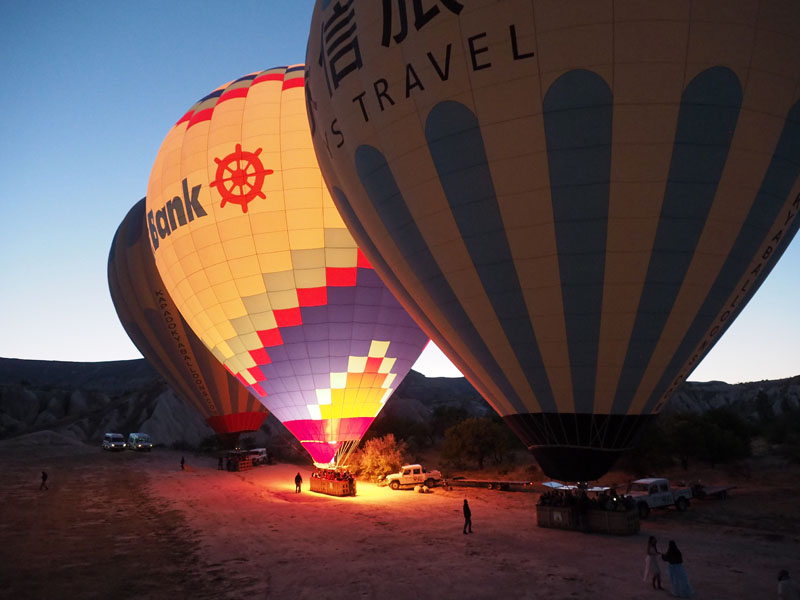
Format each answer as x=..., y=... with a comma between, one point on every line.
x=574, y=199
x=254, y=253
x=156, y=328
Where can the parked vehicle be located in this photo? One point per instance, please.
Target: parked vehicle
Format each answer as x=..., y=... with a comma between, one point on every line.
x=140, y=441
x=656, y=492
x=704, y=492
x=411, y=475
x=113, y=441
x=491, y=484
x=259, y=456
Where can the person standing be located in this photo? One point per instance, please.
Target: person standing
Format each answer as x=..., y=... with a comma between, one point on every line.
x=787, y=588
x=678, y=580
x=652, y=572
x=219, y=465
x=298, y=481
x=467, y=517
x=183, y=463
x=43, y=486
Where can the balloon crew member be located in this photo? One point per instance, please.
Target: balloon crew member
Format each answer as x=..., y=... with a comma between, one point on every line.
x=183, y=463
x=787, y=588
x=298, y=481
x=43, y=486
x=467, y=517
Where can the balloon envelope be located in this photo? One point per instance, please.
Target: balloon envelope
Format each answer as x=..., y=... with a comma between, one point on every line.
x=156, y=328
x=260, y=264
x=573, y=199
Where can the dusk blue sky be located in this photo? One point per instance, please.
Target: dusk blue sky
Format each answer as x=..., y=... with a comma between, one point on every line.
x=89, y=90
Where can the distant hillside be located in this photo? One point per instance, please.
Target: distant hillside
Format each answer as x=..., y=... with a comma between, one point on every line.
x=84, y=400
x=113, y=377
x=752, y=400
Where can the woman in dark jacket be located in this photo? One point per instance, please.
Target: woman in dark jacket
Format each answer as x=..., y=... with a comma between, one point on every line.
x=679, y=582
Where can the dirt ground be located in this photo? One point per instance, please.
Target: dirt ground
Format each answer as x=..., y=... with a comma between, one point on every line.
x=128, y=525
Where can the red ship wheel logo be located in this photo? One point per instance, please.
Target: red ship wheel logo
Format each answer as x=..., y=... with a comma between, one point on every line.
x=239, y=177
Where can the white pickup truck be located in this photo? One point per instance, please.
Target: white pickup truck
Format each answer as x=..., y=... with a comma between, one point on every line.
x=657, y=493
x=411, y=475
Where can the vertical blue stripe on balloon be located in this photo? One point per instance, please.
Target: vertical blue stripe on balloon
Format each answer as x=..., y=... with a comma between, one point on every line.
x=780, y=177
x=577, y=119
x=456, y=146
x=706, y=121
x=386, y=198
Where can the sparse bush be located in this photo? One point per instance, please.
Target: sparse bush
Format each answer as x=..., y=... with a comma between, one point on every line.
x=379, y=457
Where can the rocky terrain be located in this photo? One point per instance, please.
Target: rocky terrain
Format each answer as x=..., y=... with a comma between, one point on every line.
x=84, y=400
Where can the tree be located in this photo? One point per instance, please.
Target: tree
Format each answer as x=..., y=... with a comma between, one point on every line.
x=414, y=433
x=378, y=457
x=764, y=407
x=475, y=440
x=444, y=417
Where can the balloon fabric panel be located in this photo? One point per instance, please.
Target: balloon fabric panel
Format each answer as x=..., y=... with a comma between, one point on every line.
x=574, y=203
x=266, y=272
x=157, y=329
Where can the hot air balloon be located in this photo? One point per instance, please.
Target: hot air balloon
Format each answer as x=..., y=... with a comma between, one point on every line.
x=254, y=253
x=573, y=199
x=157, y=329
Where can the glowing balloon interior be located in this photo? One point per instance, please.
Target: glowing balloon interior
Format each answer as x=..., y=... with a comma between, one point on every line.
x=155, y=326
x=260, y=264
x=574, y=199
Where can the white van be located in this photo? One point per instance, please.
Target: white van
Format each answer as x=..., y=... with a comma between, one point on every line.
x=140, y=441
x=113, y=441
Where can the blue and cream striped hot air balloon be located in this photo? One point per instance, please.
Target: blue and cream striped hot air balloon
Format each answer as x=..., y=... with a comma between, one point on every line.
x=574, y=199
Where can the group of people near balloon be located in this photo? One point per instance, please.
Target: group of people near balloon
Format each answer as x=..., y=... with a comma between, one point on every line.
x=605, y=500
x=332, y=475
x=342, y=476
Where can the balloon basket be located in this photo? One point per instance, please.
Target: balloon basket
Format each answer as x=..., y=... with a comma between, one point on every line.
x=614, y=522
x=332, y=483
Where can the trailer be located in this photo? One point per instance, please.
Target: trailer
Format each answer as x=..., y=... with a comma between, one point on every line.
x=490, y=484
x=708, y=492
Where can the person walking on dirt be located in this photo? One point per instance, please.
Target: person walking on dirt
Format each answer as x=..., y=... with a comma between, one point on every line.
x=467, y=517
x=787, y=589
x=44, y=482
x=183, y=463
x=298, y=481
